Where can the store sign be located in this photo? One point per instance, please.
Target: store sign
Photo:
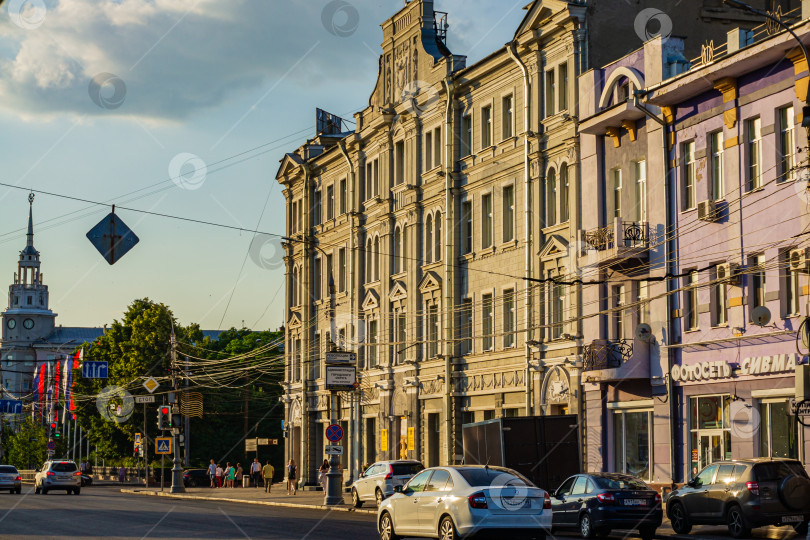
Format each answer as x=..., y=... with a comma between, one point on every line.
x=756, y=365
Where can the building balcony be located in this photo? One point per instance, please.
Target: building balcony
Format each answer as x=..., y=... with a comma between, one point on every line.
x=610, y=361
x=622, y=243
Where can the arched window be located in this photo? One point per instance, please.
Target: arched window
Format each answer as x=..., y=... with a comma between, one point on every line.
x=369, y=259
x=437, y=238
x=376, y=258
x=403, y=265
x=564, y=194
x=551, y=198
x=429, y=239
x=294, y=292
x=397, y=251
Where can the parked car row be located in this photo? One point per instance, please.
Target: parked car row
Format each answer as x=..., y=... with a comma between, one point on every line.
x=461, y=501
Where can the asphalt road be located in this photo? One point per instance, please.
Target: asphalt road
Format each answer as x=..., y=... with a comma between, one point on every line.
x=105, y=512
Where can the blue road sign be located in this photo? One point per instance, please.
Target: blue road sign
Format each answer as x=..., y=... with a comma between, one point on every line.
x=51, y=445
x=112, y=238
x=10, y=406
x=334, y=433
x=163, y=445
x=94, y=369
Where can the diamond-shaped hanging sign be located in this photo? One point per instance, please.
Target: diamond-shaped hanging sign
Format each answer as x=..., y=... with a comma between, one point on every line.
x=112, y=238
x=151, y=384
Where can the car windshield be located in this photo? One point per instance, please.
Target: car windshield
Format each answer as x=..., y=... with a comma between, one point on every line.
x=7, y=469
x=63, y=467
x=777, y=470
x=485, y=476
x=406, y=469
x=619, y=482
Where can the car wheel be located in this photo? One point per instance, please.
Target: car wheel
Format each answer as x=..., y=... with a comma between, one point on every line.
x=447, y=530
x=18, y=490
x=736, y=523
x=387, y=528
x=44, y=491
x=378, y=496
x=586, y=526
x=646, y=533
x=356, y=502
x=77, y=491
x=680, y=522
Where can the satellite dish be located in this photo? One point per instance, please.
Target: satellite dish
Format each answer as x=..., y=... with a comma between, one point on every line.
x=644, y=332
x=804, y=332
x=761, y=316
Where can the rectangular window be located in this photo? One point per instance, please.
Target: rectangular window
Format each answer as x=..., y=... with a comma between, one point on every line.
x=293, y=215
x=689, y=181
x=317, y=212
x=486, y=221
x=617, y=193
x=792, y=289
x=508, y=117
x=433, y=331
x=343, y=196
x=437, y=147
x=779, y=433
x=719, y=301
x=618, y=312
x=551, y=92
x=643, y=300
x=317, y=278
x=369, y=179
x=376, y=176
x=691, y=301
x=487, y=321
x=641, y=191
x=330, y=202
x=509, y=318
x=717, y=166
x=787, y=144
x=342, y=269
x=709, y=423
x=564, y=193
x=753, y=134
x=632, y=440
x=486, y=127
x=466, y=325
x=428, y=150
x=330, y=274
x=466, y=135
x=551, y=198
x=399, y=160
x=757, y=273
x=508, y=213
x=317, y=357
x=372, y=343
x=557, y=304
x=563, y=101
x=300, y=215
x=467, y=227
x=402, y=336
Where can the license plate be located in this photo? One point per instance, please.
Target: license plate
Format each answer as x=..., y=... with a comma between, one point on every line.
x=64, y=478
x=792, y=519
x=635, y=502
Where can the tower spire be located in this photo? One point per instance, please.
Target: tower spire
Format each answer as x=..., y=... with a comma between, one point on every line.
x=30, y=235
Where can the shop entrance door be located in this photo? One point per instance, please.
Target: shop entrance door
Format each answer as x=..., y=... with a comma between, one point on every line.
x=710, y=447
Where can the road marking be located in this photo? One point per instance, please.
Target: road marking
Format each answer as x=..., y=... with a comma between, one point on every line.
x=234, y=523
x=158, y=523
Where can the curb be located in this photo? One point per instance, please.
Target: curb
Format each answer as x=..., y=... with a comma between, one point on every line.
x=150, y=493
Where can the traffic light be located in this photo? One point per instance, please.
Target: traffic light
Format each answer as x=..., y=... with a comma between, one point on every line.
x=54, y=431
x=164, y=417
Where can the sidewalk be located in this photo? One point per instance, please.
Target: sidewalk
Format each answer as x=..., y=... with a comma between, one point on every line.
x=278, y=497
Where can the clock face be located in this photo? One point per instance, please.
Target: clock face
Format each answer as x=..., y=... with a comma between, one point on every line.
x=11, y=323
x=28, y=323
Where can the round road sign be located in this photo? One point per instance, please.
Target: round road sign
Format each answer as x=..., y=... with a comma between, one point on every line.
x=51, y=445
x=334, y=433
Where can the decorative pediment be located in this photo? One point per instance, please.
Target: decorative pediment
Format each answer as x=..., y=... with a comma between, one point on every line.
x=371, y=301
x=554, y=248
x=398, y=292
x=294, y=321
x=289, y=164
x=538, y=11
x=431, y=282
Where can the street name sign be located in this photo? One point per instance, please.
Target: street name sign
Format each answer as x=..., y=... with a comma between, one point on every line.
x=341, y=378
x=163, y=445
x=94, y=369
x=251, y=445
x=10, y=406
x=344, y=358
x=151, y=384
x=334, y=450
x=334, y=433
x=144, y=399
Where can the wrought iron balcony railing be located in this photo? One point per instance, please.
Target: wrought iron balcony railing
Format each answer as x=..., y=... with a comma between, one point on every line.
x=632, y=234
x=605, y=354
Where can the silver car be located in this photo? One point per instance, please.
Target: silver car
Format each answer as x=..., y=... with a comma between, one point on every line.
x=458, y=502
x=10, y=479
x=58, y=474
x=379, y=480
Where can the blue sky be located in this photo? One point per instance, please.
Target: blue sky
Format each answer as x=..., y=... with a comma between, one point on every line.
x=183, y=78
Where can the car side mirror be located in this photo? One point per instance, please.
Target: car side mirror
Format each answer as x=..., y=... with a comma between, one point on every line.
x=692, y=483
x=397, y=489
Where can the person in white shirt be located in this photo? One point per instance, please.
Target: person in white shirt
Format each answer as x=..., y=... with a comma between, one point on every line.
x=255, y=472
x=212, y=473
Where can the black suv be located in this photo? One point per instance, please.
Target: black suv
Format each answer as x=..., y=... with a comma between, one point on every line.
x=744, y=494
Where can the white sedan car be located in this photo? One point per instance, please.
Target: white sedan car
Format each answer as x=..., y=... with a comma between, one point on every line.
x=457, y=502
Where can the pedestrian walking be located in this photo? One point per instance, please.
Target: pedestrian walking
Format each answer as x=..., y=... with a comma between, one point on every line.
x=122, y=473
x=255, y=472
x=291, y=471
x=267, y=474
x=226, y=474
x=219, y=474
x=212, y=473
x=239, y=473
x=322, y=473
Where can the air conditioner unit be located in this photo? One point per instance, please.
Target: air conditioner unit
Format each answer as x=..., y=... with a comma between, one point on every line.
x=707, y=211
x=799, y=260
x=728, y=273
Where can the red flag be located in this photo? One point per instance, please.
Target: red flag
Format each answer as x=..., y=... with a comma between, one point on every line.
x=78, y=358
x=56, y=384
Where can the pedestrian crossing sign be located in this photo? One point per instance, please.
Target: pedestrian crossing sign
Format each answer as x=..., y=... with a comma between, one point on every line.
x=163, y=445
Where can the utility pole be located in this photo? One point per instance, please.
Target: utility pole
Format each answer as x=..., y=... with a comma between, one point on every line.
x=187, y=424
x=177, y=470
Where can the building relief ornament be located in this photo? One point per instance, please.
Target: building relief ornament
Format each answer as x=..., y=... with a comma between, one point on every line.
x=557, y=388
x=369, y=394
x=489, y=381
x=435, y=386
x=402, y=65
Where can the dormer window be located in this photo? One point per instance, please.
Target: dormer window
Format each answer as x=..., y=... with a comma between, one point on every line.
x=623, y=92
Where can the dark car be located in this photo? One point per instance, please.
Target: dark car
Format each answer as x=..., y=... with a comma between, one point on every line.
x=743, y=494
x=596, y=503
x=196, y=478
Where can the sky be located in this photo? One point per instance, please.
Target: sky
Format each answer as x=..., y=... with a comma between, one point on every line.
x=182, y=108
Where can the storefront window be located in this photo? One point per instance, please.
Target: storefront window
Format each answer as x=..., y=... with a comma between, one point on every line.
x=710, y=437
x=632, y=443
x=778, y=435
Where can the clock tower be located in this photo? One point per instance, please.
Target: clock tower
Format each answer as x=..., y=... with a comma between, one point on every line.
x=28, y=318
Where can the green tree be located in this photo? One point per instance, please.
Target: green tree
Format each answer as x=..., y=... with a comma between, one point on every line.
x=26, y=448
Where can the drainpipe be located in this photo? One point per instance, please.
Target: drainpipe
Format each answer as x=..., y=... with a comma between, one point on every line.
x=306, y=307
x=527, y=231
x=449, y=255
x=355, y=465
